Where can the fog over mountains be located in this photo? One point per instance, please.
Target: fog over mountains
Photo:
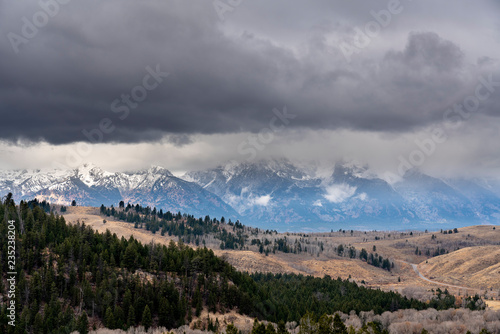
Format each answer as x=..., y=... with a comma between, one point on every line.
x=276, y=194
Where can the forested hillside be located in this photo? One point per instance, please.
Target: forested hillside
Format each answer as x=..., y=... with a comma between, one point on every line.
x=72, y=278
x=231, y=235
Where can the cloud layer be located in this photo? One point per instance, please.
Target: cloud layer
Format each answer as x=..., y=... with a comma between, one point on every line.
x=97, y=72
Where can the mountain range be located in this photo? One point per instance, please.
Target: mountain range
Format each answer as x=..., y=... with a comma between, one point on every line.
x=276, y=194
x=91, y=186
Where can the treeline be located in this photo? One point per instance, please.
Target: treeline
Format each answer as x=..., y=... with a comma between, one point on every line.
x=197, y=231
x=431, y=252
x=188, y=228
x=283, y=245
x=305, y=243
x=70, y=277
x=375, y=260
x=42, y=204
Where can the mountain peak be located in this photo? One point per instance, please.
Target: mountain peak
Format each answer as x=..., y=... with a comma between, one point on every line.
x=159, y=170
x=86, y=167
x=90, y=174
x=352, y=169
x=281, y=167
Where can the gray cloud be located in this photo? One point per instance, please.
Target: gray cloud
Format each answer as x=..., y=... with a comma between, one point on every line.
x=226, y=77
x=429, y=51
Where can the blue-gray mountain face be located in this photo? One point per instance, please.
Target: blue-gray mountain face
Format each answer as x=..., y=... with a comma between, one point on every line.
x=276, y=194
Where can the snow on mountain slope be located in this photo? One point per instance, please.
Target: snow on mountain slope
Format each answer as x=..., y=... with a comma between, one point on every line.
x=276, y=194
x=273, y=191
x=90, y=185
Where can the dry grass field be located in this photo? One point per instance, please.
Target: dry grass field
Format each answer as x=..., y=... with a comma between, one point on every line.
x=493, y=304
x=473, y=266
x=403, y=246
x=472, y=256
x=90, y=217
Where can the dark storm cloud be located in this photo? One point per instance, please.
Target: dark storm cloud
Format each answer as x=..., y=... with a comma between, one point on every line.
x=428, y=50
x=64, y=79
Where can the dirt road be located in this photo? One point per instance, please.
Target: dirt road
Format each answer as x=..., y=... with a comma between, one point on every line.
x=415, y=268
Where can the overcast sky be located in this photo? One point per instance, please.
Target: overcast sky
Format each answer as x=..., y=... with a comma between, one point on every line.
x=190, y=84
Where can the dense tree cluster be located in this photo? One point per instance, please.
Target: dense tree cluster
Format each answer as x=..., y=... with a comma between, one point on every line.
x=285, y=245
x=295, y=295
x=186, y=227
x=375, y=260
x=42, y=204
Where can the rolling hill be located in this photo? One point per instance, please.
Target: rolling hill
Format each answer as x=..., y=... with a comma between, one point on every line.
x=477, y=267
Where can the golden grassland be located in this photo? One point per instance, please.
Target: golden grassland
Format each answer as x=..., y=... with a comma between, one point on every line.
x=493, y=304
x=472, y=266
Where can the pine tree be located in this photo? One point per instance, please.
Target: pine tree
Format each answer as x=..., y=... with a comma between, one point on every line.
x=338, y=325
x=197, y=302
x=231, y=328
x=119, y=315
x=163, y=313
x=38, y=324
x=129, y=257
x=146, y=318
x=258, y=328
x=282, y=328
x=82, y=324
x=307, y=324
x=270, y=329
x=127, y=301
x=324, y=324
x=131, y=316
x=109, y=318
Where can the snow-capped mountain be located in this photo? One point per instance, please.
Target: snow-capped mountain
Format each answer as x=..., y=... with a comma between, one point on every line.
x=90, y=185
x=280, y=195
x=271, y=193
x=276, y=194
